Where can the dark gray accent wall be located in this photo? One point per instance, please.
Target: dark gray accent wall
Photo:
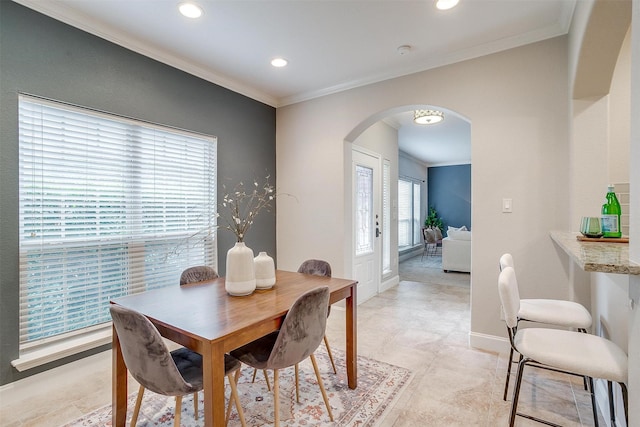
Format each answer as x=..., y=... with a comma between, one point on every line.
x=44, y=57
x=449, y=191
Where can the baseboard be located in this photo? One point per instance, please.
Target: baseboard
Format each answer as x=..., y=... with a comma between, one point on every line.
x=486, y=342
x=389, y=283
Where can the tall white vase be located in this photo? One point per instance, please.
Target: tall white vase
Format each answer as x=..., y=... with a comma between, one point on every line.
x=240, y=277
x=265, y=271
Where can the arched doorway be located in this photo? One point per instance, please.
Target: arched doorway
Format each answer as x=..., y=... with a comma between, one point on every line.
x=380, y=138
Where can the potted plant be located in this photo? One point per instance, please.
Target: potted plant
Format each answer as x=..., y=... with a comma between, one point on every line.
x=432, y=220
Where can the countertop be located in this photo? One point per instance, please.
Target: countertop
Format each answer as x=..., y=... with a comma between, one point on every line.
x=600, y=257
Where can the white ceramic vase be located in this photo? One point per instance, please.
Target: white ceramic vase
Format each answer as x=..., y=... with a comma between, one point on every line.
x=265, y=271
x=240, y=278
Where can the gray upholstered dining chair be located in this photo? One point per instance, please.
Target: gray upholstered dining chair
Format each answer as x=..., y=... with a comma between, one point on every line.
x=199, y=273
x=569, y=352
x=566, y=314
x=150, y=362
x=318, y=267
x=299, y=336
x=315, y=267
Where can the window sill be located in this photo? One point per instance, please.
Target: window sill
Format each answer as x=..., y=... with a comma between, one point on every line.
x=73, y=345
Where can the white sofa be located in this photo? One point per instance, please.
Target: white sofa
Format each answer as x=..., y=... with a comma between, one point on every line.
x=456, y=251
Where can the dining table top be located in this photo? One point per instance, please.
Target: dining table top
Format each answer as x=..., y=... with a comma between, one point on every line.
x=204, y=310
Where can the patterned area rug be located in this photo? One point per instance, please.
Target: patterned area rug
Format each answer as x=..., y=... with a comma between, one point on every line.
x=379, y=384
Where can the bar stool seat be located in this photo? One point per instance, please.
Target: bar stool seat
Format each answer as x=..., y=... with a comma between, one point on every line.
x=568, y=314
x=590, y=355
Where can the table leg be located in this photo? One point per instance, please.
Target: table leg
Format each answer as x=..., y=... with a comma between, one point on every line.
x=352, y=342
x=213, y=378
x=119, y=383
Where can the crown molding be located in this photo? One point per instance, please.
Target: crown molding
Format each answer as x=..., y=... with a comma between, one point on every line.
x=82, y=22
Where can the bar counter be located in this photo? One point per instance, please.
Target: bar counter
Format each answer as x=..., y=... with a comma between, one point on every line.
x=603, y=257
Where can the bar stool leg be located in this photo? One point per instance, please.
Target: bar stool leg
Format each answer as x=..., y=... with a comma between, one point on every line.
x=593, y=402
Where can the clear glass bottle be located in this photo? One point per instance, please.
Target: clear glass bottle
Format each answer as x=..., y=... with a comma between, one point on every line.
x=611, y=215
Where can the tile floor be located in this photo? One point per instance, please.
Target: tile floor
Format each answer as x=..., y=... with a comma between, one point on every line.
x=422, y=326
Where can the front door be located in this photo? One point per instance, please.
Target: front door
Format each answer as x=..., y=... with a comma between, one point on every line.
x=366, y=223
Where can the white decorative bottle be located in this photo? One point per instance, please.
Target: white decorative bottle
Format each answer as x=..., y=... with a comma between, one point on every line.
x=240, y=277
x=265, y=271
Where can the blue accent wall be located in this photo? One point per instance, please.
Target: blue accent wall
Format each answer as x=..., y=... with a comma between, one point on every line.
x=449, y=191
x=42, y=56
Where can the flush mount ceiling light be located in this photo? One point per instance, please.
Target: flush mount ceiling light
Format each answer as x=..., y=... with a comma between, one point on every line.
x=279, y=62
x=190, y=10
x=428, y=117
x=446, y=4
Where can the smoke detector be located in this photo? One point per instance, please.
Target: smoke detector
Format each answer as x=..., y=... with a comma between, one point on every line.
x=404, y=49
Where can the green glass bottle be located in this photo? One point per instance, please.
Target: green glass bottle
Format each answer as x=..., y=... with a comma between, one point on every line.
x=611, y=215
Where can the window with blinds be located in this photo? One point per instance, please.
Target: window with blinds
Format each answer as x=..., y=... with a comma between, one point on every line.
x=408, y=213
x=109, y=206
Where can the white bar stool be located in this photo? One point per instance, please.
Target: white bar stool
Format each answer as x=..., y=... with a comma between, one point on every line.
x=563, y=351
x=566, y=314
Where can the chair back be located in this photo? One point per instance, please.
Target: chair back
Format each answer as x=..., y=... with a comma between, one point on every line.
x=506, y=260
x=302, y=330
x=199, y=273
x=146, y=355
x=429, y=235
x=509, y=296
x=317, y=267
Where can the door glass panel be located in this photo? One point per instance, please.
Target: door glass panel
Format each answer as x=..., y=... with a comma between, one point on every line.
x=364, y=210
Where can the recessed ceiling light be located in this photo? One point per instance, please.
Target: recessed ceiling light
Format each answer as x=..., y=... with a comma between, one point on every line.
x=279, y=62
x=190, y=10
x=446, y=4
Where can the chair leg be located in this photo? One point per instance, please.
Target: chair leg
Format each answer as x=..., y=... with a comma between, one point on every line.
x=136, y=409
x=233, y=382
x=593, y=402
x=625, y=401
x=178, y=411
x=228, y=414
x=584, y=379
x=506, y=382
x=612, y=409
x=326, y=344
x=266, y=378
x=516, y=392
x=297, y=383
x=324, y=393
x=276, y=399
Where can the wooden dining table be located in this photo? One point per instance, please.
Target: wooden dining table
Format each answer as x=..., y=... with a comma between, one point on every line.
x=203, y=317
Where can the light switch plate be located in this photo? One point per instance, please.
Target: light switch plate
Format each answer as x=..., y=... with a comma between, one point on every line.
x=507, y=205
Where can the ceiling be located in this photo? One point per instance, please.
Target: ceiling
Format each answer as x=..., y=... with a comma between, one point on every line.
x=331, y=45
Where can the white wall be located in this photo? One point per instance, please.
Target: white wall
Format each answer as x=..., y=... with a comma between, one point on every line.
x=620, y=116
x=517, y=103
x=600, y=144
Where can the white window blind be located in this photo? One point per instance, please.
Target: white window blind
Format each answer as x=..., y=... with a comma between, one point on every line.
x=408, y=213
x=386, y=217
x=109, y=206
